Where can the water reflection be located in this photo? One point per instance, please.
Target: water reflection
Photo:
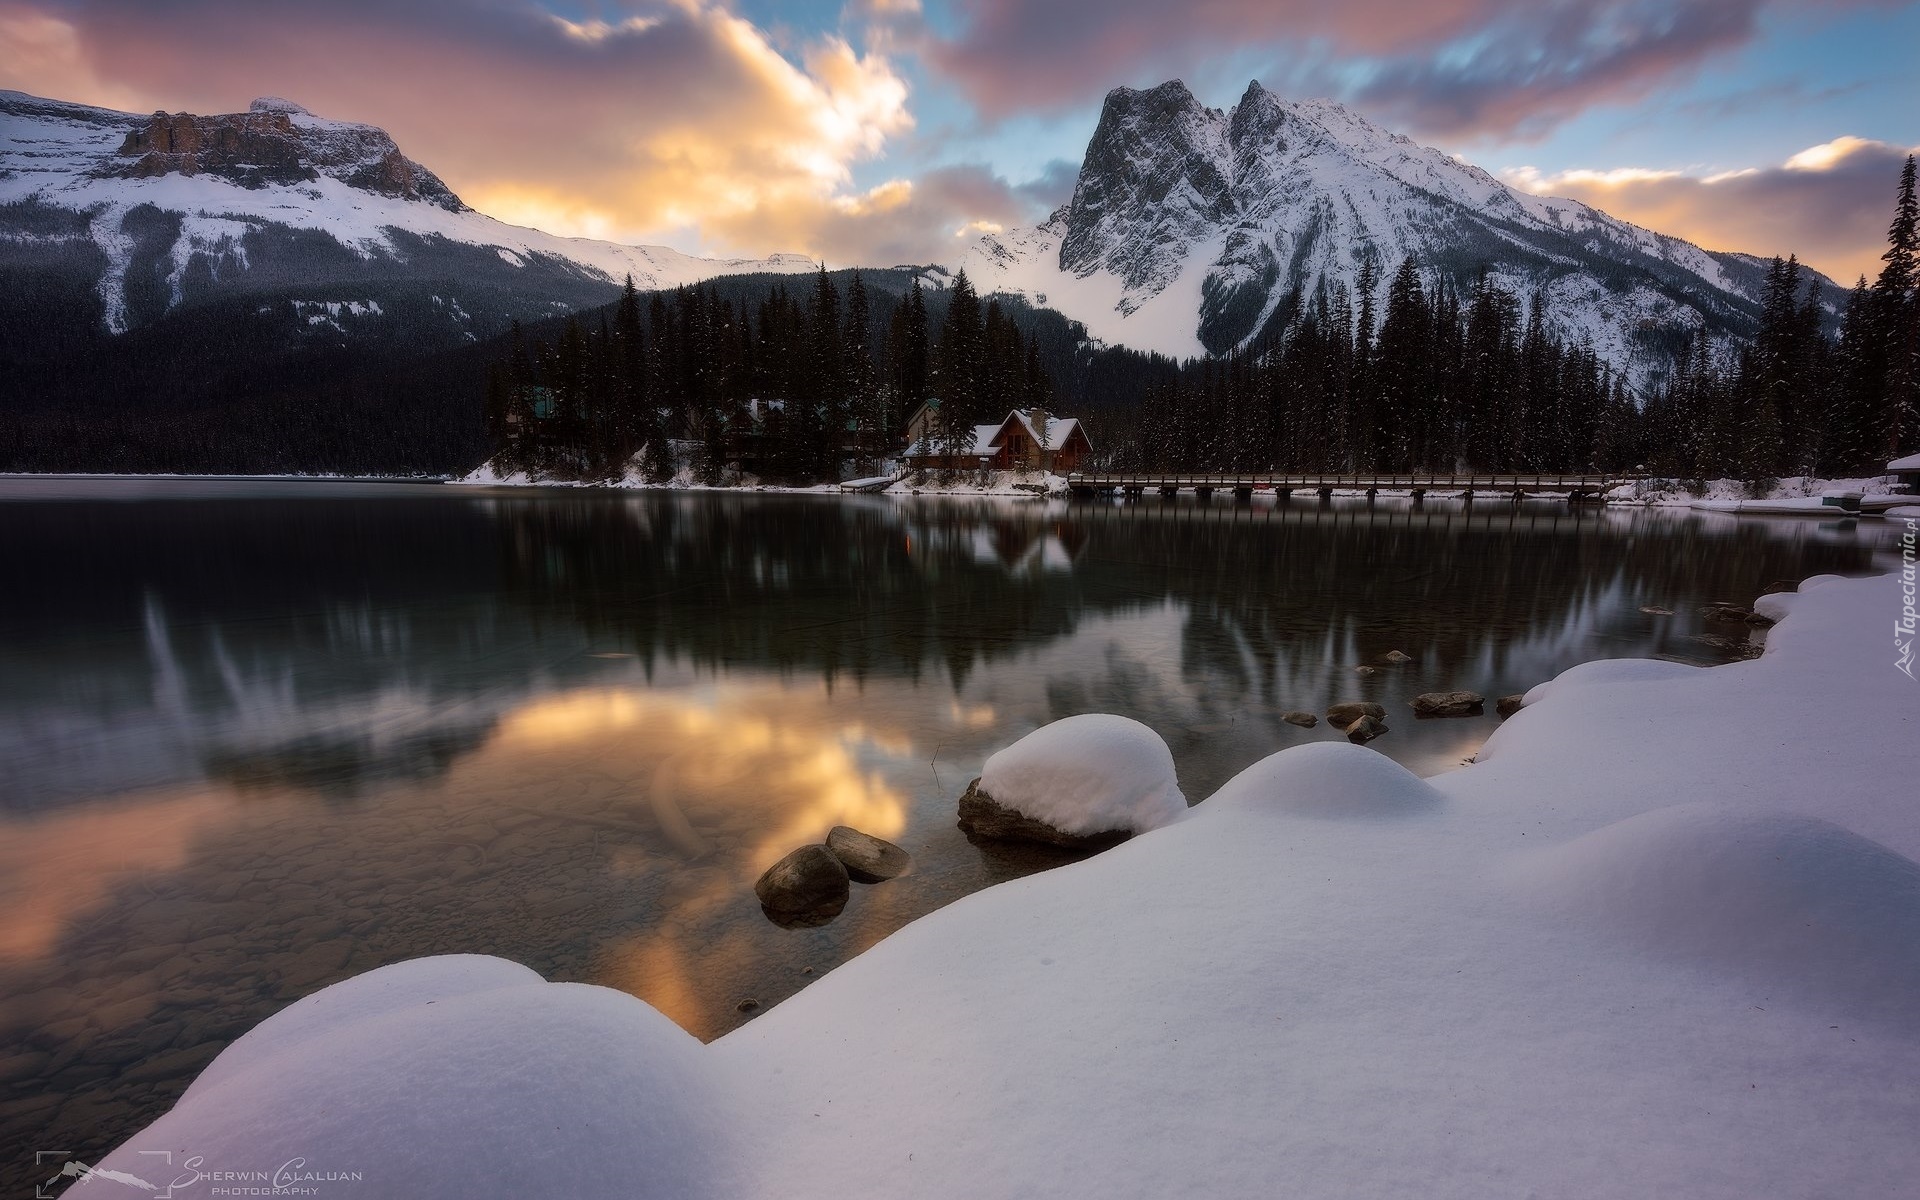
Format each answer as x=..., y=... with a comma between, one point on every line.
x=253, y=742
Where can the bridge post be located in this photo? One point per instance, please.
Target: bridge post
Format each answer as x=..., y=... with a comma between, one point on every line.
x=1283, y=494
x=1203, y=493
x=1419, y=494
x=1168, y=491
x=1243, y=493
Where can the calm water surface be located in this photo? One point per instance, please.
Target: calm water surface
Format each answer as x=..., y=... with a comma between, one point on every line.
x=255, y=738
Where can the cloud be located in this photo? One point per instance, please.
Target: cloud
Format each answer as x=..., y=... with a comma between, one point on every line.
x=1053, y=186
x=1829, y=204
x=899, y=221
x=1442, y=67
x=672, y=116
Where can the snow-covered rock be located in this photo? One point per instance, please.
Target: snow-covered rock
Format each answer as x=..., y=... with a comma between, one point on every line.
x=1085, y=775
x=1328, y=779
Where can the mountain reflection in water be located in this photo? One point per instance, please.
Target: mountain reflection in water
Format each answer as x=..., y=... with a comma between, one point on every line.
x=256, y=738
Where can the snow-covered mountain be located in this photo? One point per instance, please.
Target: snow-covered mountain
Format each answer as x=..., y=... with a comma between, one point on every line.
x=1191, y=230
x=169, y=208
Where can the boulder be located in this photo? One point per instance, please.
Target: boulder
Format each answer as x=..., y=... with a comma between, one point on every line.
x=1780, y=585
x=1761, y=620
x=1304, y=720
x=1364, y=728
x=1396, y=657
x=982, y=816
x=1364, y=669
x=1343, y=714
x=806, y=888
x=1087, y=775
x=1506, y=706
x=1739, y=648
x=1447, y=704
x=868, y=859
x=1730, y=613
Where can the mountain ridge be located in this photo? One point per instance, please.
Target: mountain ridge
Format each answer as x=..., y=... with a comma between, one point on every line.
x=239, y=191
x=1194, y=230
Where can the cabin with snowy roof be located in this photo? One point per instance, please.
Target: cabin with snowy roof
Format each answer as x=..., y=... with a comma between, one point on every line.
x=1907, y=471
x=1026, y=440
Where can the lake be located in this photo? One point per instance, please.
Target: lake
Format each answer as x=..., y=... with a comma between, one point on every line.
x=256, y=737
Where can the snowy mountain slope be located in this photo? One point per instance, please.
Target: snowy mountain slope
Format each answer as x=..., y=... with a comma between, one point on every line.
x=1191, y=230
x=203, y=205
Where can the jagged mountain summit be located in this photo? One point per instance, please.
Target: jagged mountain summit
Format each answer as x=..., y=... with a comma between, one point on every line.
x=1193, y=230
x=170, y=209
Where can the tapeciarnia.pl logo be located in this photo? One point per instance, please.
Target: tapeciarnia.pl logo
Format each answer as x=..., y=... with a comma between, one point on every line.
x=1903, y=629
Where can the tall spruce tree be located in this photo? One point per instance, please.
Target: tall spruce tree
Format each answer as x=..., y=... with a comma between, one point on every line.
x=1896, y=296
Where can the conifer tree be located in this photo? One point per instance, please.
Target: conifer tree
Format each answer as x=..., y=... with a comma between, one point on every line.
x=1896, y=295
x=958, y=382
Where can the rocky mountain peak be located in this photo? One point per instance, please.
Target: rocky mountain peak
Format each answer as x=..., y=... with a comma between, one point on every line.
x=276, y=142
x=1153, y=170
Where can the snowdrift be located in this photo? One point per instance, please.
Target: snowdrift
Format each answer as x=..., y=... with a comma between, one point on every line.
x=1659, y=940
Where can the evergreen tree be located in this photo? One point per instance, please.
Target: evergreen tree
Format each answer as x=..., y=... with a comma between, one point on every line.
x=1896, y=295
x=1401, y=372
x=958, y=383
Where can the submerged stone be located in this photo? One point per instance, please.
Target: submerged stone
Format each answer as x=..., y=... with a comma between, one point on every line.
x=1447, y=704
x=1304, y=720
x=1343, y=714
x=868, y=859
x=806, y=888
x=1364, y=728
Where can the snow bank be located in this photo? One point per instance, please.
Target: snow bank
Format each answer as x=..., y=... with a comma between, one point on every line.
x=1714, y=493
x=1662, y=939
x=1798, y=902
x=1088, y=774
x=453, y=1077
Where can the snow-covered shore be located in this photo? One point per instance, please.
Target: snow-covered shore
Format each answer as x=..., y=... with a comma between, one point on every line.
x=1663, y=938
x=992, y=483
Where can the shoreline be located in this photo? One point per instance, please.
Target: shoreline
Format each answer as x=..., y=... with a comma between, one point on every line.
x=1721, y=496
x=1383, y=985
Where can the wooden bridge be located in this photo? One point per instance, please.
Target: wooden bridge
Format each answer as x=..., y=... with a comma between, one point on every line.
x=1575, y=488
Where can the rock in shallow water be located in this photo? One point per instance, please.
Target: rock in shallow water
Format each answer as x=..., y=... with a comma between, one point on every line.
x=806, y=888
x=1364, y=728
x=1343, y=714
x=1506, y=706
x=984, y=817
x=1304, y=720
x=1447, y=704
x=868, y=859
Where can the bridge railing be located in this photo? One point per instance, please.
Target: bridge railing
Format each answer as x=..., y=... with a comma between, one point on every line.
x=1397, y=481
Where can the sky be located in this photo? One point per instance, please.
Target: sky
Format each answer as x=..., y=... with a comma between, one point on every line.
x=874, y=132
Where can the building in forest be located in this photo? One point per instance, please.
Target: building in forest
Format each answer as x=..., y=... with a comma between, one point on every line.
x=1026, y=440
x=1907, y=471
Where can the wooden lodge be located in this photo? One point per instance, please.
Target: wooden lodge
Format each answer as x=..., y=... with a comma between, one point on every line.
x=1015, y=444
